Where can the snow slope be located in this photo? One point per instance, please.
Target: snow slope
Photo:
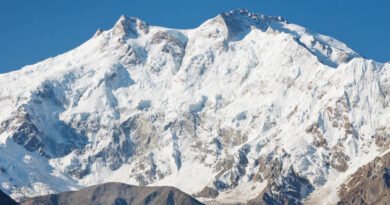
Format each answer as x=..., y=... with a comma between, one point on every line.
x=244, y=103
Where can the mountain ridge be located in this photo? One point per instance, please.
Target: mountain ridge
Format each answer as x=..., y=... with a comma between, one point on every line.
x=116, y=193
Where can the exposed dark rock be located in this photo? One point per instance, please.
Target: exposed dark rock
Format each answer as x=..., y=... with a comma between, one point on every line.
x=291, y=189
x=173, y=44
x=117, y=194
x=339, y=160
x=130, y=27
x=370, y=184
x=6, y=200
x=132, y=57
x=208, y=192
x=381, y=138
x=386, y=177
x=282, y=188
x=318, y=138
x=239, y=22
x=28, y=134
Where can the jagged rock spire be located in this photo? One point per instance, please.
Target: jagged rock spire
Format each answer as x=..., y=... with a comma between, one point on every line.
x=130, y=27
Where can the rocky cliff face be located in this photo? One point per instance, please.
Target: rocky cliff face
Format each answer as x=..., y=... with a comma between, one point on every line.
x=243, y=107
x=370, y=184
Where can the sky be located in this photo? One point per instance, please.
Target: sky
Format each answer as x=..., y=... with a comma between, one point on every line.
x=31, y=31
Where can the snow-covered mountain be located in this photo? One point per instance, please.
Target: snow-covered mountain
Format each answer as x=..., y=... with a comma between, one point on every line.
x=243, y=108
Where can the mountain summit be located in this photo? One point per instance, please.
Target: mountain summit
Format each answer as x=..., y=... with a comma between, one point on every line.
x=245, y=108
x=130, y=27
x=238, y=23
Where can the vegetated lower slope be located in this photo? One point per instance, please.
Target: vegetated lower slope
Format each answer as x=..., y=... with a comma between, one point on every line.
x=243, y=107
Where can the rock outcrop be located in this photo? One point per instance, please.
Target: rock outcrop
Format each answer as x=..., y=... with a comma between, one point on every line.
x=6, y=200
x=370, y=184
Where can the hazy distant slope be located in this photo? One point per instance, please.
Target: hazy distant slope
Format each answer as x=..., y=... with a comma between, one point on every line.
x=117, y=194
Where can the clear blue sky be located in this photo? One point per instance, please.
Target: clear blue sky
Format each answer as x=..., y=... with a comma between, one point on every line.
x=31, y=31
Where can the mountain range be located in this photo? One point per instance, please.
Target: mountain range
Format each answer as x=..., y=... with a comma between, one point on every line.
x=245, y=108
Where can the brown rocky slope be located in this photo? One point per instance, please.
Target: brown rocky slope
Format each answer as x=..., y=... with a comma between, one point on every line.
x=116, y=194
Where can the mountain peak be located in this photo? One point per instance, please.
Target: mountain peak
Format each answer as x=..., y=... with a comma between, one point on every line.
x=240, y=21
x=130, y=27
x=245, y=14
